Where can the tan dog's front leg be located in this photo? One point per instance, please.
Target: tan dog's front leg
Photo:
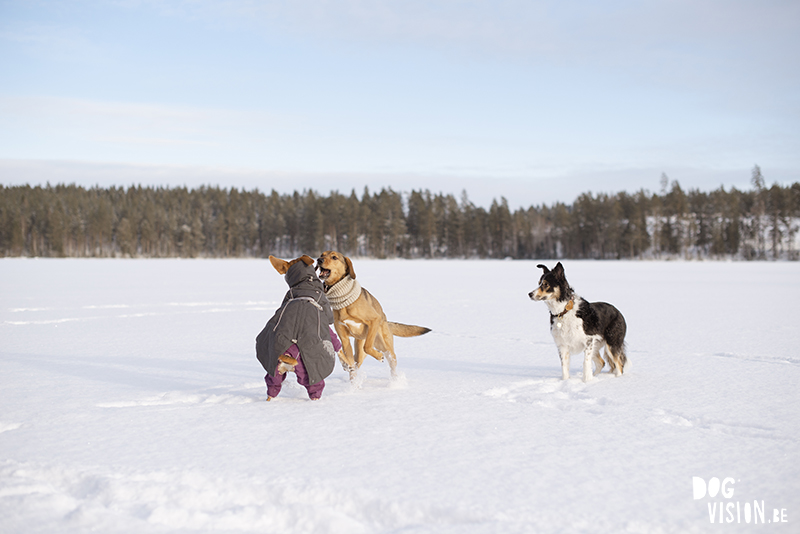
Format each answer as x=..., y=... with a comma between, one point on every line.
x=369, y=344
x=359, y=352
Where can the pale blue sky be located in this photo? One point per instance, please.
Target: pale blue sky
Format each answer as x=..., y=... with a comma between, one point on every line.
x=536, y=101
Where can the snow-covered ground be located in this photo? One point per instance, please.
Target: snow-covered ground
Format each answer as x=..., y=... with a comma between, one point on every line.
x=131, y=401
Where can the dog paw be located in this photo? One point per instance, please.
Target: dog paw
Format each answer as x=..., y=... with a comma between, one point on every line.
x=398, y=380
x=357, y=379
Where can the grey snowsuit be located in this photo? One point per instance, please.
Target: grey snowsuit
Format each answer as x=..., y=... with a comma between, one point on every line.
x=303, y=320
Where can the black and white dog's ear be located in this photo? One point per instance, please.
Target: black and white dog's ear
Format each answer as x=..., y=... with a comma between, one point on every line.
x=558, y=270
x=544, y=268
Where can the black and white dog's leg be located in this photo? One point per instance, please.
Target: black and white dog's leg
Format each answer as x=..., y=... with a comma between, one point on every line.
x=599, y=363
x=610, y=358
x=616, y=360
x=591, y=346
x=564, y=355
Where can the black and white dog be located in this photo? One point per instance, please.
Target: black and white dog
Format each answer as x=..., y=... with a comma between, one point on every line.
x=578, y=325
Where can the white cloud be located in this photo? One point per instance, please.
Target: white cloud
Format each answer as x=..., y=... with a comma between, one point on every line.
x=585, y=30
x=53, y=41
x=736, y=53
x=75, y=122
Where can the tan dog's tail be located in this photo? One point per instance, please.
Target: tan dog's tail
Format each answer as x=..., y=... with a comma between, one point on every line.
x=406, y=330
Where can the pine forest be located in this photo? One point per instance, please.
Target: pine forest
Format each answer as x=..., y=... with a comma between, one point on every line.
x=210, y=222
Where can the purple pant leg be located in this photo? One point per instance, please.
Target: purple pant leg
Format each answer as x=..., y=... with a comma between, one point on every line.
x=293, y=351
x=337, y=345
x=314, y=390
x=274, y=384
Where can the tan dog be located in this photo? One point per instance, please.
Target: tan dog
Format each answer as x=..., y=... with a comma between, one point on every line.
x=357, y=314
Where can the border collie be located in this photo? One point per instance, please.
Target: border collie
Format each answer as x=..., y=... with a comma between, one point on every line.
x=578, y=325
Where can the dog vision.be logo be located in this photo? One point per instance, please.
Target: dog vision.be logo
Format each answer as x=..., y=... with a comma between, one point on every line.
x=723, y=509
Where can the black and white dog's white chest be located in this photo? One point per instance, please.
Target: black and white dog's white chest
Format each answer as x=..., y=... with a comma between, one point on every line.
x=568, y=330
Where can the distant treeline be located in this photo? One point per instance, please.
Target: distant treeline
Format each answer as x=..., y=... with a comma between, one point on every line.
x=72, y=221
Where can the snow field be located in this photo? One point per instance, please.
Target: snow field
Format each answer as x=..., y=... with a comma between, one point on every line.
x=132, y=402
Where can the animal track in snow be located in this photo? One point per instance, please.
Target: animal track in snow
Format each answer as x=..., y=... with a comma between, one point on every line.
x=671, y=419
x=782, y=360
x=723, y=427
x=565, y=395
x=192, y=398
x=5, y=426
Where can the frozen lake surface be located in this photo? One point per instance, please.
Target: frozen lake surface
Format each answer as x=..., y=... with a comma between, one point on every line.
x=131, y=401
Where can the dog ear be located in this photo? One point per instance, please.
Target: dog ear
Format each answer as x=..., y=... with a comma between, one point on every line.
x=350, y=270
x=307, y=259
x=280, y=265
x=544, y=268
x=558, y=270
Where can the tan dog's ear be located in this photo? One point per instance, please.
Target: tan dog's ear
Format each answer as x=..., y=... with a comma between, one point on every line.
x=350, y=270
x=280, y=265
x=307, y=260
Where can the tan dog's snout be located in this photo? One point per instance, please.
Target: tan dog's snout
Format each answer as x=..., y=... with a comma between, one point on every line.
x=323, y=272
